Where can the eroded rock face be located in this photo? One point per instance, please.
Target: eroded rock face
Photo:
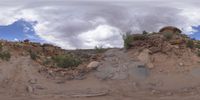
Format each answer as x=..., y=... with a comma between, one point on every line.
x=145, y=58
x=170, y=29
x=117, y=65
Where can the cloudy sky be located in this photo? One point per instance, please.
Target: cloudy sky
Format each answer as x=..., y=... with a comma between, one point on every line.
x=88, y=23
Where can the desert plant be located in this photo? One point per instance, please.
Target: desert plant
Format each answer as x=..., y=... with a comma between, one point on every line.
x=139, y=37
x=99, y=49
x=47, y=62
x=190, y=44
x=168, y=35
x=33, y=55
x=145, y=32
x=66, y=61
x=128, y=38
x=1, y=47
x=197, y=45
x=198, y=53
x=5, y=56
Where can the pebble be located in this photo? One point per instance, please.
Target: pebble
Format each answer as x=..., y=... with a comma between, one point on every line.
x=33, y=81
x=181, y=64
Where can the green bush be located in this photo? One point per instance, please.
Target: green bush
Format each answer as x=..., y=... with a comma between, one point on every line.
x=99, y=49
x=5, y=56
x=145, y=33
x=190, y=44
x=1, y=47
x=198, y=53
x=128, y=38
x=139, y=37
x=33, y=55
x=47, y=62
x=197, y=45
x=168, y=35
x=66, y=61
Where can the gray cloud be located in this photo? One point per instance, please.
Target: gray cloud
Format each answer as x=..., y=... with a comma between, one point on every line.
x=85, y=24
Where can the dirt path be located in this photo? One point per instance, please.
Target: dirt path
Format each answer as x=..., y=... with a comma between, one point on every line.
x=117, y=78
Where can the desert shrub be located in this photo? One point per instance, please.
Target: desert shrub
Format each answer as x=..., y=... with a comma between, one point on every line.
x=139, y=37
x=128, y=39
x=168, y=35
x=66, y=61
x=198, y=53
x=197, y=45
x=5, y=56
x=47, y=62
x=184, y=36
x=145, y=33
x=33, y=55
x=190, y=44
x=1, y=47
x=99, y=49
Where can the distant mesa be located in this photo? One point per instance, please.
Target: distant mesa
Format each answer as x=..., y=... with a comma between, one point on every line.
x=170, y=29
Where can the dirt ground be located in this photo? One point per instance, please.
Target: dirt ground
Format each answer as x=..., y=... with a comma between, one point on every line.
x=119, y=77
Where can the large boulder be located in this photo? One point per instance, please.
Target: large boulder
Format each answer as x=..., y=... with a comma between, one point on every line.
x=170, y=29
x=93, y=65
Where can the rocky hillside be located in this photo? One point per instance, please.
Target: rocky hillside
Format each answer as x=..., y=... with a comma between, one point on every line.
x=161, y=65
x=164, y=50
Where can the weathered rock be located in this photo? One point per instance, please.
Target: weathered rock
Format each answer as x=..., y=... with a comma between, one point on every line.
x=93, y=65
x=154, y=50
x=33, y=81
x=195, y=72
x=39, y=87
x=139, y=72
x=120, y=66
x=181, y=64
x=150, y=65
x=169, y=94
x=153, y=92
x=29, y=89
x=144, y=56
x=171, y=29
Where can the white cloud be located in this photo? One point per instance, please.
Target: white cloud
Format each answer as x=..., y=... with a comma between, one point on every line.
x=15, y=39
x=104, y=35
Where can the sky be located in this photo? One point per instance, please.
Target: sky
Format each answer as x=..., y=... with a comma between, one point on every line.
x=84, y=24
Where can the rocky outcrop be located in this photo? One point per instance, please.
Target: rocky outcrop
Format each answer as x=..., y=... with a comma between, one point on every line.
x=170, y=29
